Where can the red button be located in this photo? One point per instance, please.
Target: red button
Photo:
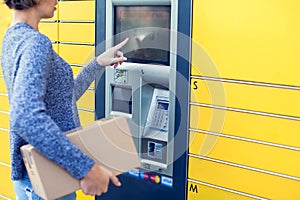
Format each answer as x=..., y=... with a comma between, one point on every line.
x=146, y=176
x=153, y=178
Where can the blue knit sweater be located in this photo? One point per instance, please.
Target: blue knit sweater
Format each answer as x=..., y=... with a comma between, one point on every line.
x=42, y=95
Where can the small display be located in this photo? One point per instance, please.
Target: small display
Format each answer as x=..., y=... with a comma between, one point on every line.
x=148, y=29
x=163, y=105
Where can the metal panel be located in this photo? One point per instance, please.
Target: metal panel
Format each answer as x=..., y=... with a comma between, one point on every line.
x=77, y=11
x=2, y=85
x=76, y=54
x=77, y=32
x=241, y=178
x=199, y=190
x=248, y=96
x=4, y=122
x=4, y=106
x=86, y=117
x=247, y=125
x=50, y=30
x=246, y=41
x=282, y=161
x=87, y=100
x=6, y=188
x=4, y=143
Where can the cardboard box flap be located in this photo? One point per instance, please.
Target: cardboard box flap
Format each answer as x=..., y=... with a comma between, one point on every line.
x=115, y=136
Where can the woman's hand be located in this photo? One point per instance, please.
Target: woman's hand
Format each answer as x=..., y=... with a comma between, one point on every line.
x=96, y=181
x=112, y=56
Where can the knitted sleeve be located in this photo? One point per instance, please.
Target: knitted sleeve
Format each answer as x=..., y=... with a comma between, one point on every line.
x=86, y=76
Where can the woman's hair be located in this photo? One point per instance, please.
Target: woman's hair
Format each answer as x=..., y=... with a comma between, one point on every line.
x=21, y=4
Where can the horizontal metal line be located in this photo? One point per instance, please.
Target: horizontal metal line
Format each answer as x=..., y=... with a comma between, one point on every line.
x=91, y=89
x=77, y=21
x=79, y=65
x=77, y=43
x=246, y=167
x=5, y=164
x=247, y=139
x=142, y=3
x=76, y=65
x=227, y=189
x=4, y=94
x=248, y=82
x=49, y=21
x=247, y=111
x=87, y=110
x=4, y=129
x=4, y=112
x=4, y=197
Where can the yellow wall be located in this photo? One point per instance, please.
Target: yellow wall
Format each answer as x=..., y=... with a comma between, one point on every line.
x=71, y=31
x=245, y=89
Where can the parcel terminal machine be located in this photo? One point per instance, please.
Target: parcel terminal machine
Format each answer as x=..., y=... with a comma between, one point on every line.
x=145, y=90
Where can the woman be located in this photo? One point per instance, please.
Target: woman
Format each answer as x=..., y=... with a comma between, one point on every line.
x=43, y=94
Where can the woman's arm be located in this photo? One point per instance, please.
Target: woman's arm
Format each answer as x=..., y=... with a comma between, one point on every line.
x=87, y=75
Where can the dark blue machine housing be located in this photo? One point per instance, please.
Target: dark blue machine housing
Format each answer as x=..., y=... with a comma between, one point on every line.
x=134, y=188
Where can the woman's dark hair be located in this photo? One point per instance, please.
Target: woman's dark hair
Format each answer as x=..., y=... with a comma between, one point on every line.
x=20, y=4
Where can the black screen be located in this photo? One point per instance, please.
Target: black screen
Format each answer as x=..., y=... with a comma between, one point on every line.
x=148, y=29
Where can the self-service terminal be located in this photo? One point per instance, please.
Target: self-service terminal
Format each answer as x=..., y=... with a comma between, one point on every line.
x=141, y=92
x=143, y=87
x=144, y=90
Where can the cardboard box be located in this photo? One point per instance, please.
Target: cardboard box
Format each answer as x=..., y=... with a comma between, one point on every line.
x=107, y=141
